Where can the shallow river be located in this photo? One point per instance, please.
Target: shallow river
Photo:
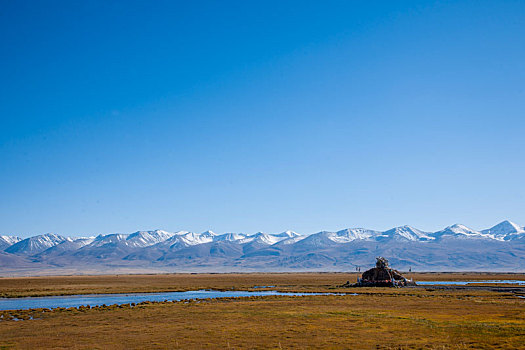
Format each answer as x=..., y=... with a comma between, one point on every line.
x=128, y=298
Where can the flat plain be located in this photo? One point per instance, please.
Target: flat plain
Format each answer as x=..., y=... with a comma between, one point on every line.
x=477, y=317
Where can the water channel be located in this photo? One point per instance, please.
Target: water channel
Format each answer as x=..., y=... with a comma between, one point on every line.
x=128, y=298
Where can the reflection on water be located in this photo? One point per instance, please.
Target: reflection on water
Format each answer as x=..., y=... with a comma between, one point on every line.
x=463, y=283
x=110, y=299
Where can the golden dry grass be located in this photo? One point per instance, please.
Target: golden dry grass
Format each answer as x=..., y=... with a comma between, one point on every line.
x=380, y=318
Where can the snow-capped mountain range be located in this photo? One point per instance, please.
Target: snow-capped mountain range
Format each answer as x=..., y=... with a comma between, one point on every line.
x=457, y=247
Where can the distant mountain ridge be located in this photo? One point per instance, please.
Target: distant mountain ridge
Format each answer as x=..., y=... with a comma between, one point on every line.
x=456, y=247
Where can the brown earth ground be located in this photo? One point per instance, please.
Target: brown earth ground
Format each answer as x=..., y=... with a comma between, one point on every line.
x=377, y=318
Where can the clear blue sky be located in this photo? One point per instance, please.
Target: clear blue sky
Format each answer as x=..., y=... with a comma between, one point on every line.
x=246, y=116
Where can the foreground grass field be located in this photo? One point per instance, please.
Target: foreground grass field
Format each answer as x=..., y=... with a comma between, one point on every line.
x=376, y=318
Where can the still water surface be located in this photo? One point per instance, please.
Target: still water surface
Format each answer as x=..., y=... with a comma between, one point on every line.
x=128, y=298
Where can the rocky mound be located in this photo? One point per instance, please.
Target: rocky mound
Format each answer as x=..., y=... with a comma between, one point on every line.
x=383, y=276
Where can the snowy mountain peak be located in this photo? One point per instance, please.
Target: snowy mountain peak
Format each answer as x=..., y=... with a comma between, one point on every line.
x=407, y=233
x=10, y=239
x=36, y=244
x=147, y=238
x=461, y=232
x=101, y=239
x=506, y=227
x=287, y=234
x=7, y=241
x=231, y=237
x=461, y=229
x=259, y=237
x=208, y=233
x=350, y=234
x=266, y=238
x=192, y=238
x=290, y=240
x=505, y=230
x=181, y=233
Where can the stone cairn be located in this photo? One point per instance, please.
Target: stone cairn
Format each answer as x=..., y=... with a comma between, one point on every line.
x=382, y=276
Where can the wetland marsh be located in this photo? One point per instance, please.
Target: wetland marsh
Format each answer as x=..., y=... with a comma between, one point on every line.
x=408, y=318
